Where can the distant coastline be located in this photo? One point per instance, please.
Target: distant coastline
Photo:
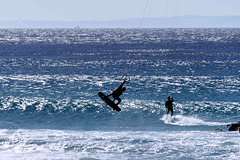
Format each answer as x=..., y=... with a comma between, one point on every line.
x=171, y=22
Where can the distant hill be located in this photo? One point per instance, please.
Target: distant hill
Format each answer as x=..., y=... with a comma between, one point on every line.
x=171, y=22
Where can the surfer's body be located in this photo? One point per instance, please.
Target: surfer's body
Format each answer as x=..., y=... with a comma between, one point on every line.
x=169, y=105
x=118, y=92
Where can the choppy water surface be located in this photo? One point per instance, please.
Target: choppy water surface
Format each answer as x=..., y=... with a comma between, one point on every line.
x=49, y=107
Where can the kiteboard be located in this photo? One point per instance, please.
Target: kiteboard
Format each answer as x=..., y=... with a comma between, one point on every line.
x=109, y=102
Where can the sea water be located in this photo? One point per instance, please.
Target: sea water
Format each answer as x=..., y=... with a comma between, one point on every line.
x=50, y=79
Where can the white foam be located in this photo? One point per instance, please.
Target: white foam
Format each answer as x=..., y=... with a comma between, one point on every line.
x=66, y=144
x=181, y=120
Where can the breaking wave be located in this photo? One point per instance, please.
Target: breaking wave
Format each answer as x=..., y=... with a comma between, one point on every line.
x=86, y=114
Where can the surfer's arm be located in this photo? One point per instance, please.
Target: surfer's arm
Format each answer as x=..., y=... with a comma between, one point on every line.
x=122, y=84
x=118, y=89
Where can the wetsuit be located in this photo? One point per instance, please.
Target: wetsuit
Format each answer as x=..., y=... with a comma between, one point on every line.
x=169, y=105
x=118, y=92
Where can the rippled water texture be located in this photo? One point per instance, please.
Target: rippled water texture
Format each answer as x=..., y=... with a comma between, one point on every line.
x=50, y=109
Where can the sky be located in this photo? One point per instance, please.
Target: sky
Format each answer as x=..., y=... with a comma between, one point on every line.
x=102, y=10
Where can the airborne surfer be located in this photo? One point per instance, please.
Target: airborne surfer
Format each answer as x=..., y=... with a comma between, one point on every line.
x=169, y=105
x=118, y=92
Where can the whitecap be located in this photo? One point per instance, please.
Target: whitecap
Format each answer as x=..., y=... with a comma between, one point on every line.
x=181, y=120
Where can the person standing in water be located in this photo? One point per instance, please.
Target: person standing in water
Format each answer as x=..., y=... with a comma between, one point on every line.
x=169, y=105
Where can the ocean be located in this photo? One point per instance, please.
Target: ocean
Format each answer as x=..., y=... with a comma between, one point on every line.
x=50, y=79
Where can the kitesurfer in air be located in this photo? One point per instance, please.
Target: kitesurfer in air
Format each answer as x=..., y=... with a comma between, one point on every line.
x=169, y=105
x=118, y=92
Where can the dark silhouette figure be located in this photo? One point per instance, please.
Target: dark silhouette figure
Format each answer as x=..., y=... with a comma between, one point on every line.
x=169, y=105
x=118, y=92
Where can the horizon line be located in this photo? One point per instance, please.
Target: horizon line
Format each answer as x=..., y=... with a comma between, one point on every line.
x=20, y=20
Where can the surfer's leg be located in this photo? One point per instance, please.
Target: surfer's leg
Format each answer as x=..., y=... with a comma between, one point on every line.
x=168, y=110
x=119, y=101
x=171, y=111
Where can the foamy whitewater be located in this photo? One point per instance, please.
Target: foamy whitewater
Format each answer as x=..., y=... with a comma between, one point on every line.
x=50, y=79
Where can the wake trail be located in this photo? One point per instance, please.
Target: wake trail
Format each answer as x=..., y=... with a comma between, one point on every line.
x=181, y=120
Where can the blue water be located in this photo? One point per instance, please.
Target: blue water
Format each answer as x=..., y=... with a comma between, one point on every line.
x=50, y=109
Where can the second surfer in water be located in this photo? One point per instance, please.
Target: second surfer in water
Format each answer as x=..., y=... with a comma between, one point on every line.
x=118, y=92
x=169, y=105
